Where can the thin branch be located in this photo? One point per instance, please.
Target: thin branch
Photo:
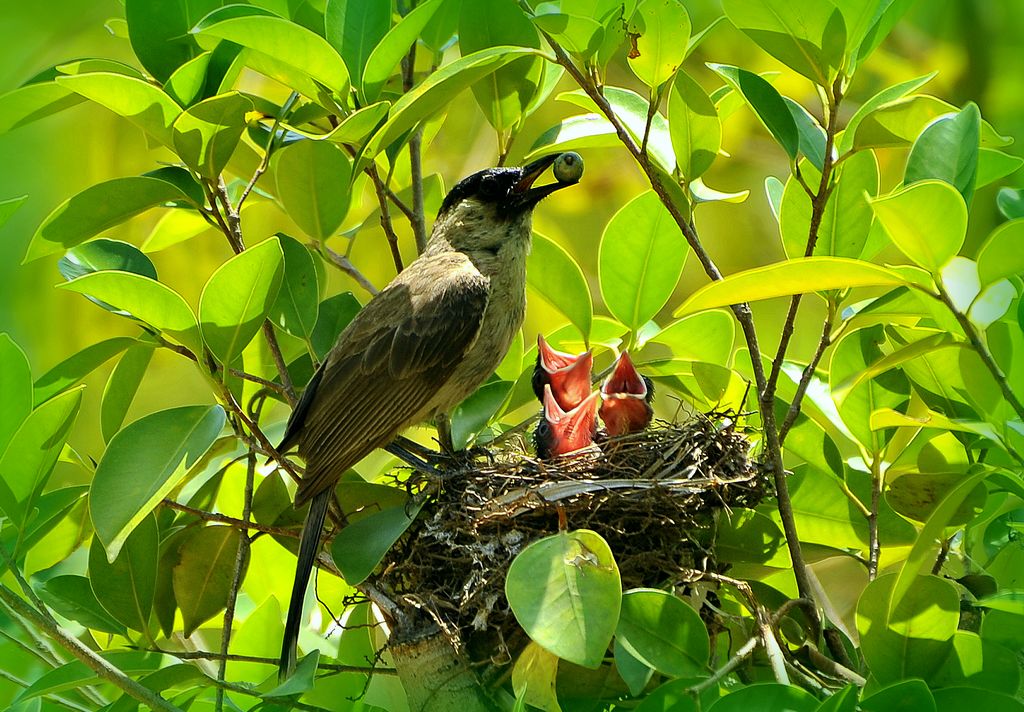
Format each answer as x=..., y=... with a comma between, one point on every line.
x=874, y=547
x=271, y=385
x=210, y=655
x=400, y=204
x=230, y=521
x=805, y=378
x=282, y=368
x=738, y=657
x=103, y=669
x=345, y=265
x=419, y=226
x=265, y=162
x=385, y=216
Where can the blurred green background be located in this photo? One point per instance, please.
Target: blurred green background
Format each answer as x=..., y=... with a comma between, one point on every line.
x=974, y=45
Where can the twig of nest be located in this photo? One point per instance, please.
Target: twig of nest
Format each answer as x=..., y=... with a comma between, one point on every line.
x=652, y=495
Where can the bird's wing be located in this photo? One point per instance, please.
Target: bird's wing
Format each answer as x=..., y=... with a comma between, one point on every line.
x=385, y=368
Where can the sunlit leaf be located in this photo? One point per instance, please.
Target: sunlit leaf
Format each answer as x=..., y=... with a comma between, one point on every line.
x=767, y=696
x=206, y=134
x=354, y=27
x=471, y=416
x=927, y=221
x=16, y=385
x=661, y=631
x=558, y=279
x=1010, y=203
x=313, y=182
x=948, y=150
x=121, y=387
x=359, y=547
x=693, y=125
x=187, y=82
x=533, y=677
x=73, y=369
x=1002, y=254
x=382, y=61
x=574, y=133
x=159, y=32
x=707, y=336
x=142, y=103
x=32, y=102
x=897, y=91
x=660, y=30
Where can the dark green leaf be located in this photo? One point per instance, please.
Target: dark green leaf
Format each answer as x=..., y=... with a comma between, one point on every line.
x=73, y=369
x=75, y=674
x=1010, y=203
x=766, y=102
x=72, y=597
x=393, y=47
x=145, y=105
x=203, y=574
x=206, y=134
x=159, y=32
x=297, y=303
x=300, y=681
x=845, y=700
x=565, y=592
x=121, y=388
x=32, y=102
x=902, y=695
x=125, y=585
x=694, y=126
x=766, y=696
x=103, y=254
x=640, y=260
x=314, y=183
x=948, y=150
x=354, y=28
x=335, y=314
x=957, y=699
x=238, y=297
x=982, y=663
x=812, y=136
x=633, y=672
x=472, y=415
x=661, y=631
x=29, y=458
x=51, y=509
x=360, y=547
x=16, y=385
x=145, y=461
x=187, y=82
x=558, y=279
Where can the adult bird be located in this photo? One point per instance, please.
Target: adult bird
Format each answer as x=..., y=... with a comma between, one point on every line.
x=626, y=397
x=420, y=346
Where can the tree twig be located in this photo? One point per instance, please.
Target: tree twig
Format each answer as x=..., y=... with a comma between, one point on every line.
x=345, y=265
x=230, y=521
x=385, y=216
x=417, y=219
x=874, y=547
x=805, y=377
x=210, y=655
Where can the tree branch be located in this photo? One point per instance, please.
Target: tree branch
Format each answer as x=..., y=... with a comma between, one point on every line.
x=345, y=265
x=230, y=521
x=805, y=378
x=385, y=216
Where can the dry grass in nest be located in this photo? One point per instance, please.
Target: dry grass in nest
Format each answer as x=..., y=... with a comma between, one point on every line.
x=652, y=495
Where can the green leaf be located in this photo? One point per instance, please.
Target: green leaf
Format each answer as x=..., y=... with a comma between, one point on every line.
x=314, y=183
x=29, y=457
x=979, y=662
x=32, y=102
x=897, y=123
x=574, y=133
x=72, y=597
x=534, y=679
x=145, y=461
x=126, y=584
x=565, y=592
x=882, y=25
x=282, y=41
x=473, y=414
x=297, y=304
x=703, y=194
x=395, y=45
x=751, y=537
x=121, y=388
x=203, y=574
x=435, y=92
x=558, y=279
x=807, y=36
x=1008, y=601
x=16, y=385
x=359, y=125
x=927, y=221
x=205, y=135
x=995, y=165
x=897, y=91
x=902, y=695
x=97, y=208
x=579, y=35
x=661, y=32
x=187, y=82
x=913, y=639
x=144, y=299
x=1010, y=203
x=159, y=32
x=693, y=125
x=707, y=337
x=766, y=696
x=1001, y=256
x=956, y=699
x=631, y=109
x=766, y=102
x=335, y=314
x=640, y=259
x=302, y=680
x=238, y=297
x=72, y=370
x=947, y=150
x=354, y=28
x=922, y=554
x=360, y=547
x=504, y=94
x=103, y=254
x=661, y=631
x=9, y=206
x=812, y=136
x=145, y=105
x=845, y=700
x=914, y=495
x=75, y=674
x=782, y=279
x=633, y=672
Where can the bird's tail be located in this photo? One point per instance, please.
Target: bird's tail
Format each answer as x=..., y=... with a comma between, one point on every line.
x=309, y=545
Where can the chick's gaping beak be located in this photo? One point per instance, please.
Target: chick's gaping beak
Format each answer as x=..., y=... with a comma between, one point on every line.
x=568, y=374
x=626, y=395
x=562, y=432
x=525, y=193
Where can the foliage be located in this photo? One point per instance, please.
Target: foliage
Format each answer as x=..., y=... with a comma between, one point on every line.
x=886, y=573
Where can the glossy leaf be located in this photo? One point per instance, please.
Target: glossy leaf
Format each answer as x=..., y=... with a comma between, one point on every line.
x=144, y=299
x=393, y=47
x=707, y=336
x=98, y=208
x=313, y=182
x=633, y=672
x=812, y=136
x=297, y=304
x=573, y=134
x=159, y=32
x=32, y=452
x=203, y=574
x=947, y=150
x=994, y=165
x=145, y=105
x=473, y=414
x=693, y=125
x=898, y=122
x=558, y=279
x=905, y=694
x=896, y=91
x=103, y=254
x=359, y=125
x=766, y=696
x=145, y=461
x=504, y=94
x=795, y=276
x=807, y=36
x=1002, y=254
x=660, y=30
x=121, y=388
x=956, y=699
x=187, y=82
x=661, y=631
x=32, y=102
x=1010, y=203
x=927, y=221
x=335, y=314
x=16, y=385
x=74, y=675
x=73, y=369
x=282, y=41
x=354, y=28
x=125, y=585
x=766, y=102
x=631, y=109
x=640, y=259
x=206, y=134
x=238, y=297
x=565, y=592
x=72, y=597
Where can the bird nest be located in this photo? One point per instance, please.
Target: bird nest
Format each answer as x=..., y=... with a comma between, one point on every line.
x=654, y=497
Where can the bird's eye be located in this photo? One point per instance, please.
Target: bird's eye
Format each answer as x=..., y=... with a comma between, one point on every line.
x=489, y=187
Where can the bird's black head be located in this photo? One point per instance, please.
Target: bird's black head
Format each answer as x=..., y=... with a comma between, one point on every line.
x=511, y=191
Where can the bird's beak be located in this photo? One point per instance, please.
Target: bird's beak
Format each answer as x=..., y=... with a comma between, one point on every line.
x=625, y=407
x=570, y=430
x=524, y=190
x=568, y=374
